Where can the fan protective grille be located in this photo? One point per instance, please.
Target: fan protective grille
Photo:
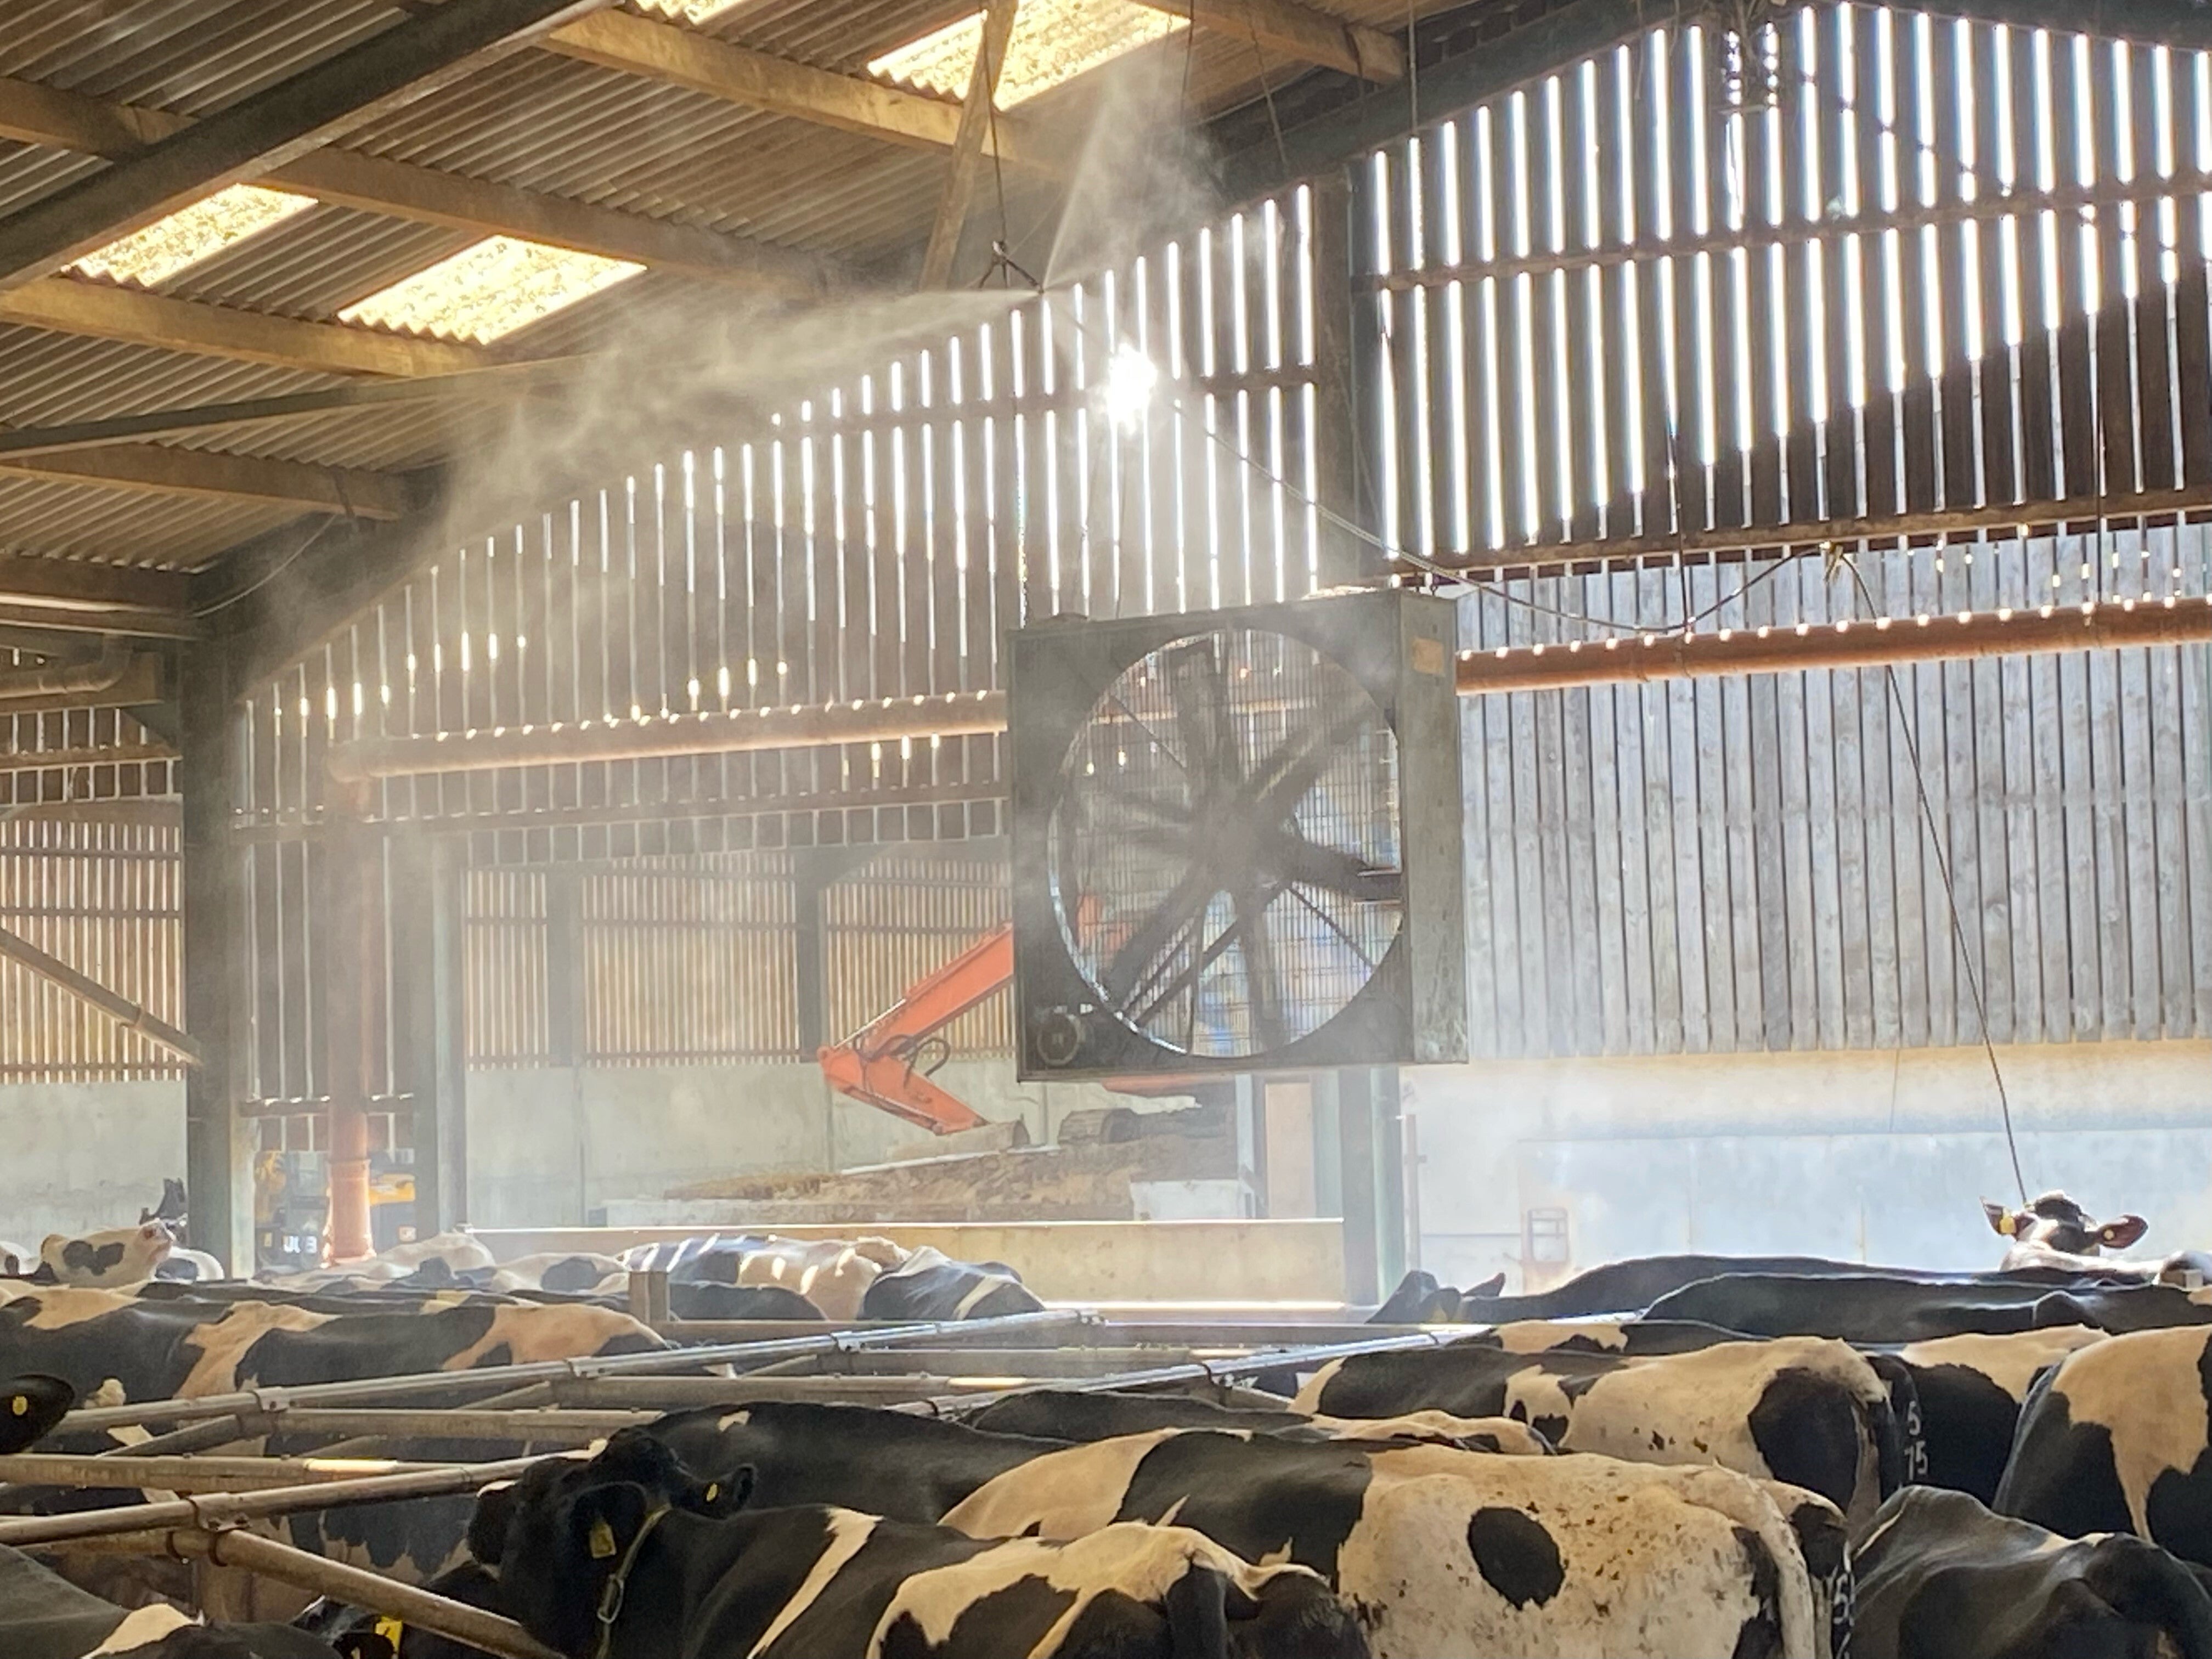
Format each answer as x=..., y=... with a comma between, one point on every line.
x=1225, y=850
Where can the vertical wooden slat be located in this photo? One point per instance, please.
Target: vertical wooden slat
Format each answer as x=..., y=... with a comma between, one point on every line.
x=2077, y=396
x=2002, y=245
x=1957, y=269
x=2030, y=139
x=1874, y=96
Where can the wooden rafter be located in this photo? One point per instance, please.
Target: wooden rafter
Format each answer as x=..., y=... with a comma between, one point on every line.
x=34, y=115
x=271, y=127
x=1299, y=32
x=759, y=80
x=977, y=119
x=106, y=312
x=496, y=384
x=160, y=470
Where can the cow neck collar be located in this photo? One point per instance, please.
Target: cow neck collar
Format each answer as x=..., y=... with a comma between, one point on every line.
x=611, y=1597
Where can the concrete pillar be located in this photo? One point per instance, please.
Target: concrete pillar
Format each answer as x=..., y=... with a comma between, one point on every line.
x=429, y=1039
x=218, y=1144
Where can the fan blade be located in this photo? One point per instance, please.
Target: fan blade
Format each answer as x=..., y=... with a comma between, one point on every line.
x=1295, y=859
x=1189, y=977
x=1141, y=949
x=1284, y=776
x=1261, y=987
x=1197, y=690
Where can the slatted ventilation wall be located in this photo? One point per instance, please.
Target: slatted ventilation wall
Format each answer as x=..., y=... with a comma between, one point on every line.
x=1717, y=865
x=104, y=898
x=876, y=541
x=78, y=755
x=900, y=919
x=689, y=966
x=1855, y=262
x=687, y=962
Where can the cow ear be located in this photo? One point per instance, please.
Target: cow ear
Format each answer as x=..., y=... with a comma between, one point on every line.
x=604, y=1520
x=2001, y=1220
x=488, y=1525
x=724, y=1495
x=2122, y=1231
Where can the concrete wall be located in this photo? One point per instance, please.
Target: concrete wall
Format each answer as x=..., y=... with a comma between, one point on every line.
x=75, y=1156
x=550, y=1147
x=1868, y=1157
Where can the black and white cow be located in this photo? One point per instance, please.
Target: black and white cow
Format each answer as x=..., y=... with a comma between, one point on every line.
x=116, y=1256
x=920, y=1468
x=2114, y=1439
x=632, y=1555
x=1071, y=1415
x=1447, y=1551
x=1421, y=1299
x=2054, y=1231
x=930, y=1285
x=1811, y=1413
x=1970, y=1390
x=43, y=1616
x=1940, y=1577
x=833, y=1274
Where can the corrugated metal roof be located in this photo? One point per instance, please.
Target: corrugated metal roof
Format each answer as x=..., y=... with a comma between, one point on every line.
x=534, y=120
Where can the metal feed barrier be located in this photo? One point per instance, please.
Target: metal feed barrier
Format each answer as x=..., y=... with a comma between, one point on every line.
x=949, y=1368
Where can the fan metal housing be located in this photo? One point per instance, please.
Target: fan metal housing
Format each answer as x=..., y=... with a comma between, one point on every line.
x=1237, y=840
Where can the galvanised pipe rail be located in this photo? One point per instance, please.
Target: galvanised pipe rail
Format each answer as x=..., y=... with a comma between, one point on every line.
x=1197, y=1370
x=272, y=1402
x=232, y=1509
x=249, y=1551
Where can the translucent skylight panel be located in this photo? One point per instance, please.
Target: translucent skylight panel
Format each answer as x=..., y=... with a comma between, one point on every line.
x=184, y=238
x=1053, y=41
x=488, y=289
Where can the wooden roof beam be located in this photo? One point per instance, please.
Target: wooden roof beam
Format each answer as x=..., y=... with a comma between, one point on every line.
x=163, y=471
x=106, y=311
x=269, y=128
x=34, y=115
x=741, y=75
x=1299, y=32
x=499, y=384
x=975, y=120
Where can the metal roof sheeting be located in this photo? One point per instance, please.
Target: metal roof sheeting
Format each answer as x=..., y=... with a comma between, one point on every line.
x=530, y=120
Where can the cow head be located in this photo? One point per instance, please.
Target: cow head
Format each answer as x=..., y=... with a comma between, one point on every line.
x=565, y=1536
x=2054, y=1222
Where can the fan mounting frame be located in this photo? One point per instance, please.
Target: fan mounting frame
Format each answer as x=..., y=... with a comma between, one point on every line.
x=1397, y=647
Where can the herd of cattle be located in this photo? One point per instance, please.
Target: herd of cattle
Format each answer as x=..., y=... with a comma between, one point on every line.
x=1676, y=1457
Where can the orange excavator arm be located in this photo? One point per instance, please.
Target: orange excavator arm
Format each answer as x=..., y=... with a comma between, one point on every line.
x=884, y=1062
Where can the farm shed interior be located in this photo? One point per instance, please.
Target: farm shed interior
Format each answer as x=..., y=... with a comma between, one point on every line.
x=628, y=623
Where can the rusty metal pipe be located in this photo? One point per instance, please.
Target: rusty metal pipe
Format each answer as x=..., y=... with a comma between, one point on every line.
x=1658, y=655
x=103, y=673
x=1785, y=647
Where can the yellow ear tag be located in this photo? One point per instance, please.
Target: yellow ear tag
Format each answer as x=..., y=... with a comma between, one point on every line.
x=389, y=1629
x=2009, y=1226
x=603, y=1540
x=20, y=1406
x=713, y=1490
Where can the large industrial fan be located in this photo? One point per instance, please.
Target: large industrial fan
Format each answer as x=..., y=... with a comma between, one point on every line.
x=1237, y=840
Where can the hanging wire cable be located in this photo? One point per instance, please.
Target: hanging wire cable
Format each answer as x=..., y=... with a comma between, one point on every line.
x=1935, y=845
